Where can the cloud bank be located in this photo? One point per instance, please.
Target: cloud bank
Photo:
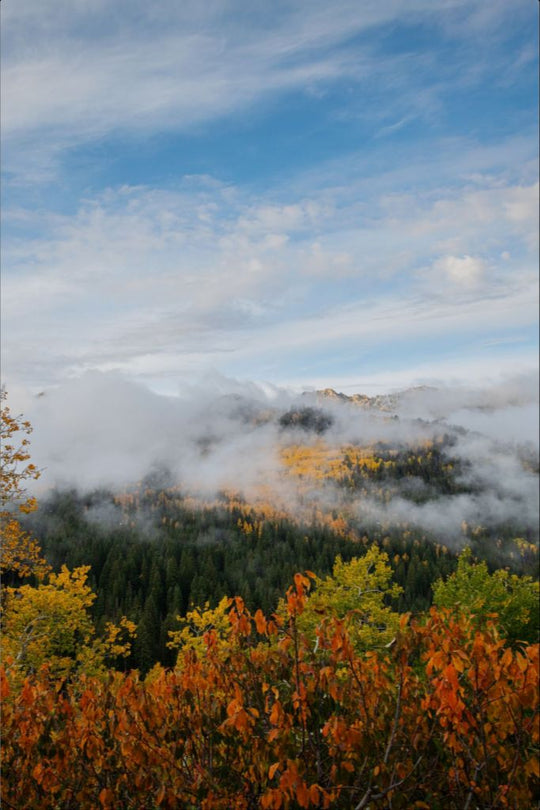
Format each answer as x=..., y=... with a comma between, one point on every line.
x=104, y=431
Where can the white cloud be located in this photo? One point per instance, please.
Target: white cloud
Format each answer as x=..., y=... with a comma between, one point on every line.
x=149, y=281
x=377, y=322
x=473, y=370
x=89, y=76
x=102, y=430
x=152, y=281
x=83, y=72
x=464, y=271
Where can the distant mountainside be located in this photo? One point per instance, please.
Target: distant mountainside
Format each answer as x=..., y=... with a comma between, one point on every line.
x=381, y=402
x=178, y=501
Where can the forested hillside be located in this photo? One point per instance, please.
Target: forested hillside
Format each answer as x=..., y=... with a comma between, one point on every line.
x=156, y=549
x=154, y=554
x=168, y=649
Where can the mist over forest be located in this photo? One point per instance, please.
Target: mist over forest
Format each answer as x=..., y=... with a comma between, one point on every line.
x=103, y=432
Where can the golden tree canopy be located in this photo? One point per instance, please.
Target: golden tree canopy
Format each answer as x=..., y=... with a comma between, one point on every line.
x=20, y=552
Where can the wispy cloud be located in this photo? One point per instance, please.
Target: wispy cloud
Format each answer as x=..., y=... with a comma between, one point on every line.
x=81, y=73
x=146, y=280
x=197, y=185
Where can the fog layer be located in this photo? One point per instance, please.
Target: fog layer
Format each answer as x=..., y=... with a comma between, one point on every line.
x=103, y=431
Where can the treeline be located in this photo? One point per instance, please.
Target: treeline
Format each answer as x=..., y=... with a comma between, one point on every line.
x=154, y=554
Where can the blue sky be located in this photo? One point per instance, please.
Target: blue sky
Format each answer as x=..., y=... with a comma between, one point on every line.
x=304, y=193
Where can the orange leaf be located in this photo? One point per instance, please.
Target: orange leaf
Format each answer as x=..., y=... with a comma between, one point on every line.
x=272, y=769
x=275, y=713
x=272, y=800
x=260, y=622
x=38, y=770
x=522, y=662
x=302, y=795
x=404, y=620
x=242, y=720
x=106, y=797
x=450, y=674
x=301, y=582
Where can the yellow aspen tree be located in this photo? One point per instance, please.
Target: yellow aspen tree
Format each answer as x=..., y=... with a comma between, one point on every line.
x=20, y=553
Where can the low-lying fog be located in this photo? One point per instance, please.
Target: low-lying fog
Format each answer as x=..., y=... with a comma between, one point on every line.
x=104, y=431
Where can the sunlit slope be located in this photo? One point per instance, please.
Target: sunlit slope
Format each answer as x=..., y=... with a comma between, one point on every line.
x=354, y=491
x=321, y=461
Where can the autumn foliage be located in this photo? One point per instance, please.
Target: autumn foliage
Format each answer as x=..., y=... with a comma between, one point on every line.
x=21, y=554
x=446, y=717
x=333, y=701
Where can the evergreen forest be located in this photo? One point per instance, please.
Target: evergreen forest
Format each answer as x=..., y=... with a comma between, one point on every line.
x=162, y=648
